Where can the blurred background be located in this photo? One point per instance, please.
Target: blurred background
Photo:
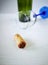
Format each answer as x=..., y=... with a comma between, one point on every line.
x=10, y=6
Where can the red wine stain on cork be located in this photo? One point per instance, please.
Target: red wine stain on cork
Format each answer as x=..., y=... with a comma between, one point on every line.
x=22, y=45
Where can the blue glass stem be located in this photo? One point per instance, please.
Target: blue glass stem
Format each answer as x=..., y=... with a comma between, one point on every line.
x=43, y=13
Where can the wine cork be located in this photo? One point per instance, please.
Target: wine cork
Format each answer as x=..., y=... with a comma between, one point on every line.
x=20, y=41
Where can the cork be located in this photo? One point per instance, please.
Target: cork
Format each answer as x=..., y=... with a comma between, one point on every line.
x=19, y=41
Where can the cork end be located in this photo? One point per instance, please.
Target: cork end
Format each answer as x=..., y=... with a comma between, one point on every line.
x=22, y=45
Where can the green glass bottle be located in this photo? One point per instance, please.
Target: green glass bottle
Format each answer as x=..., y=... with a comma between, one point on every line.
x=24, y=8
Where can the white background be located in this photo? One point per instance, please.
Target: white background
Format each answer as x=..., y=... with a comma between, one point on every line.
x=10, y=6
x=36, y=37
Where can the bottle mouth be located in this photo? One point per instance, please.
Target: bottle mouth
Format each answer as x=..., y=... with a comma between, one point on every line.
x=24, y=18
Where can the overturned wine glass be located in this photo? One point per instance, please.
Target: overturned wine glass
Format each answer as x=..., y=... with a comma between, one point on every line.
x=29, y=18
